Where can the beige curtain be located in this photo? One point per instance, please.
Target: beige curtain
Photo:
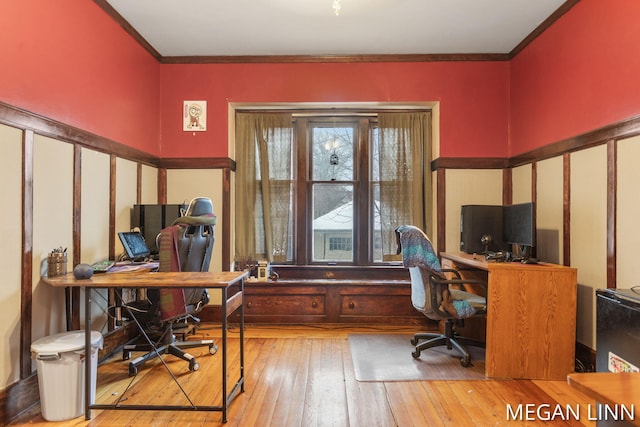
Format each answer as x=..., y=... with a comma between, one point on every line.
x=405, y=174
x=263, y=185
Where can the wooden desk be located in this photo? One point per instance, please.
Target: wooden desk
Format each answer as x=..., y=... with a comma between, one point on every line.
x=531, y=316
x=231, y=301
x=611, y=389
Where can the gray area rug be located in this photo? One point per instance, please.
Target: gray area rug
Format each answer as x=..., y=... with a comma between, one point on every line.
x=387, y=357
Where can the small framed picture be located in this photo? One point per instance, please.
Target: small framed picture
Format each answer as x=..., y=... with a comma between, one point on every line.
x=194, y=116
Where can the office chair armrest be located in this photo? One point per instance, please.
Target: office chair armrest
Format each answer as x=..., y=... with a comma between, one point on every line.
x=452, y=271
x=480, y=283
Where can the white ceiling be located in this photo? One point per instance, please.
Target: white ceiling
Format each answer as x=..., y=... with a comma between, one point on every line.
x=310, y=27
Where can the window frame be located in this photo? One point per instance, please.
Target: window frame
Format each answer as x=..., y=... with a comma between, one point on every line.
x=363, y=215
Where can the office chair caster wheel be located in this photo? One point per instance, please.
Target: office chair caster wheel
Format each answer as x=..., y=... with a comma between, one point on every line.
x=414, y=341
x=465, y=362
x=193, y=365
x=213, y=349
x=416, y=354
x=133, y=371
x=126, y=355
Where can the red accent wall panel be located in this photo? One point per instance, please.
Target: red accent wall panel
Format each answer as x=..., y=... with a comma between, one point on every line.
x=579, y=75
x=473, y=97
x=69, y=61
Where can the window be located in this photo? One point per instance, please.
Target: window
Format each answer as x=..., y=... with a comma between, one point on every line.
x=332, y=188
x=332, y=185
x=340, y=243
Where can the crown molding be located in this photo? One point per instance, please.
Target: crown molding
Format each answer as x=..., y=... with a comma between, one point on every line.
x=255, y=59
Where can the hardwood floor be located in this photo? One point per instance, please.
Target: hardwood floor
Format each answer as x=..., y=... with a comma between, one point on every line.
x=303, y=376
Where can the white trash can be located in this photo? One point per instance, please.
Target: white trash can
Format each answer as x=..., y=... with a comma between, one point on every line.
x=60, y=363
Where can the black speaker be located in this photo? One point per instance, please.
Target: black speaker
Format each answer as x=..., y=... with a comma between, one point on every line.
x=153, y=218
x=477, y=221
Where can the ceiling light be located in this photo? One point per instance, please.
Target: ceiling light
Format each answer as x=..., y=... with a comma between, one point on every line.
x=336, y=6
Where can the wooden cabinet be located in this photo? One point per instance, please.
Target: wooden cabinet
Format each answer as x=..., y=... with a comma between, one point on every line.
x=389, y=303
x=274, y=302
x=531, y=317
x=331, y=301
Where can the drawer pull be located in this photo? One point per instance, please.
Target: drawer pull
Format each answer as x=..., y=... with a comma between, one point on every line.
x=249, y=304
x=314, y=304
x=352, y=305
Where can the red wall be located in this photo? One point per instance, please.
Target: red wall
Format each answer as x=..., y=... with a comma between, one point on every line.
x=473, y=98
x=579, y=75
x=69, y=61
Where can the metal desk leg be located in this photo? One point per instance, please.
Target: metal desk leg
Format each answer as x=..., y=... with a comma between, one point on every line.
x=87, y=352
x=224, y=355
x=242, y=336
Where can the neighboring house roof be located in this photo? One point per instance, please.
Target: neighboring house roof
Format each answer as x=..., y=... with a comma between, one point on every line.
x=341, y=219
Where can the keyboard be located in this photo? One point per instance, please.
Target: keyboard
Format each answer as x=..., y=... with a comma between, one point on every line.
x=102, y=266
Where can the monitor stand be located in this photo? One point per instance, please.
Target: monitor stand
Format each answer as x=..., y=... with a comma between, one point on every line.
x=521, y=253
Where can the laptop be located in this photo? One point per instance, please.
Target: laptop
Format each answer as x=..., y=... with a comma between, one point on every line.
x=134, y=245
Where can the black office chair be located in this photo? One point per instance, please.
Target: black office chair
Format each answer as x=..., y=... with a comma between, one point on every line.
x=437, y=296
x=184, y=246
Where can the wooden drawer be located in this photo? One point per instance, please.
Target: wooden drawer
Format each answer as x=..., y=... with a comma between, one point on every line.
x=377, y=305
x=290, y=304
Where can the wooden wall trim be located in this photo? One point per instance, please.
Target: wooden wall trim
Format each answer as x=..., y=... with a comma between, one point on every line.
x=73, y=296
x=470, y=163
x=612, y=202
x=566, y=209
x=623, y=129
x=26, y=294
x=162, y=186
x=198, y=163
x=252, y=59
x=104, y=5
x=282, y=59
x=564, y=8
x=619, y=130
x=441, y=203
x=22, y=119
x=17, y=398
x=112, y=205
x=534, y=181
x=226, y=219
x=507, y=186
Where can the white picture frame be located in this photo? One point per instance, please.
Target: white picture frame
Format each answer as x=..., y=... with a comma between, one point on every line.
x=194, y=116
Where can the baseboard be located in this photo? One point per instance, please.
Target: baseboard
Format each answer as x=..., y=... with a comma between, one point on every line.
x=18, y=398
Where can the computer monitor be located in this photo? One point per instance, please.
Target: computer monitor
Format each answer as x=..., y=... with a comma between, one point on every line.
x=134, y=245
x=477, y=221
x=519, y=225
x=150, y=219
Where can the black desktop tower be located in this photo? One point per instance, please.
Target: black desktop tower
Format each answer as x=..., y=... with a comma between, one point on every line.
x=477, y=221
x=153, y=218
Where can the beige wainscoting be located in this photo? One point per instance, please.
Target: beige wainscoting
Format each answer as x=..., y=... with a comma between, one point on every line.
x=149, y=185
x=52, y=228
x=589, y=233
x=126, y=196
x=468, y=187
x=185, y=184
x=521, y=179
x=628, y=213
x=10, y=253
x=549, y=209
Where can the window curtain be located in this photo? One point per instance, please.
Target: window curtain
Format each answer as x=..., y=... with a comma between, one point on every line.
x=263, y=185
x=405, y=175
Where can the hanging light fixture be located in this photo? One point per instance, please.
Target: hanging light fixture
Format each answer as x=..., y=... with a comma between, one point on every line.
x=336, y=6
